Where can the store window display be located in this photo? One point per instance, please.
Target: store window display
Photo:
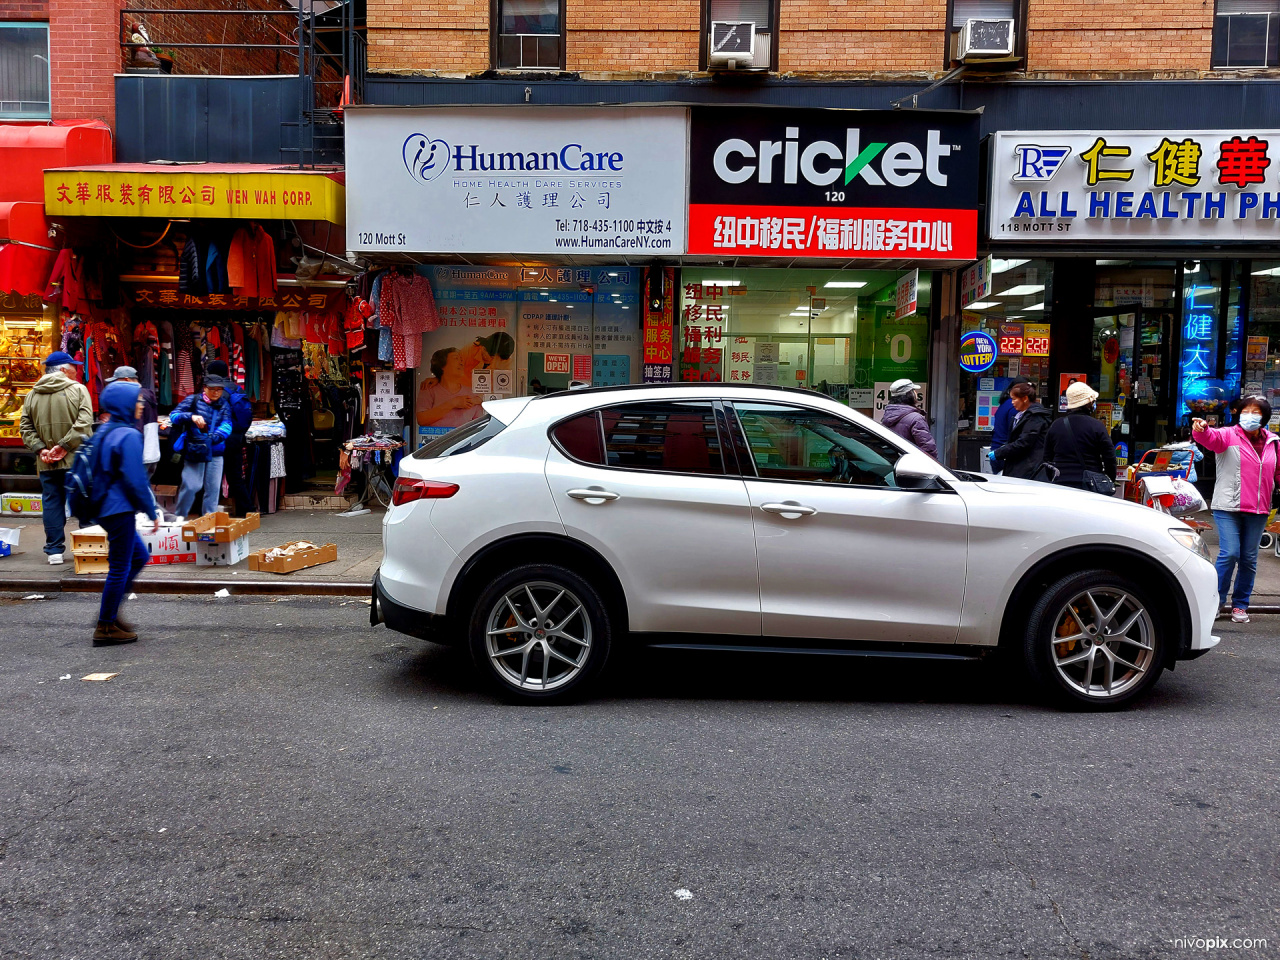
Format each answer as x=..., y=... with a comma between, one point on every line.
x=835, y=331
x=1017, y=313
x=1262, y=346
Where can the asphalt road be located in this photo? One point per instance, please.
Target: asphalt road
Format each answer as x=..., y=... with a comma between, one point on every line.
x=276, y=779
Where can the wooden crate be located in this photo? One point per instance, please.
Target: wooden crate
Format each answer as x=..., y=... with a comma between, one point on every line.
x=299, y=561
x=90, y=564
x=219, y=527
x=89, y=542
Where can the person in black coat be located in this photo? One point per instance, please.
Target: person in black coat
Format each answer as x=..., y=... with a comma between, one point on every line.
x=1024, y=452
x=1078, y=441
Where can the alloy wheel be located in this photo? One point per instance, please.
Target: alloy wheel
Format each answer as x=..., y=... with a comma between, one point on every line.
x=538, y=636
x=1103, y=642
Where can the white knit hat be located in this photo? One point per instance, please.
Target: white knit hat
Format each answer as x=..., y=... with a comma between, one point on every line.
x=1080, y=395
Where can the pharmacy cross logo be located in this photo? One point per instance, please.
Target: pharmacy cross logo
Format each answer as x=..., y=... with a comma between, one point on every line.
x=1038, y=163
x=424, y=158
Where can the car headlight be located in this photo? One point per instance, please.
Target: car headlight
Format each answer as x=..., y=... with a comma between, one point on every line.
x=1192, y=540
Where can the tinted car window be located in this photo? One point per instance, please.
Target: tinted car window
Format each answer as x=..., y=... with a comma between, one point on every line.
x=461, y=439
x=580, y=438
x=795, y=443
x=673, y=437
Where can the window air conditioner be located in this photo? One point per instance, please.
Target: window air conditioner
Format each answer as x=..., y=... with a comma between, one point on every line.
x=985, y=40
x=733, y=46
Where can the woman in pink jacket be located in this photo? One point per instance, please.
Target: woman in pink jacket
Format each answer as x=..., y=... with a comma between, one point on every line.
x=1248, y=464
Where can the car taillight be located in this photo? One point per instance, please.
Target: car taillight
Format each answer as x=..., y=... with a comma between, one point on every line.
x=408, y=489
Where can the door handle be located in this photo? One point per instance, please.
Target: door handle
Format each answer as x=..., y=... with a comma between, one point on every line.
x=790, y=509
x=593, y=495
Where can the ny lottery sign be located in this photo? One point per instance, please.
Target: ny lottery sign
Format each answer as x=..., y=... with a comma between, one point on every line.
x=1140, y=185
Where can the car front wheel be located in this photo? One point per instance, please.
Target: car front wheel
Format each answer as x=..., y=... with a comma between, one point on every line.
x=1094, y=640
x=540, y=633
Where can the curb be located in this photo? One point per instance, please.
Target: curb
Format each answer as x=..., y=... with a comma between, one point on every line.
x=311, y=588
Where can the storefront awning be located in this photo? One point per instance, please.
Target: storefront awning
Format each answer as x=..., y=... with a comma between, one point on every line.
x=238, y=191
x=25, y=254
x=27, y=150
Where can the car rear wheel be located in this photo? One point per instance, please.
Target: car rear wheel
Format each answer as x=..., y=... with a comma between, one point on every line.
x=540, y=633
x=1094, y=640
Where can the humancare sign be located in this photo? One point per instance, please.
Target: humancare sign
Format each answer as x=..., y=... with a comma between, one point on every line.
x=833, y=183
x=538, y=180
x=1171, y=185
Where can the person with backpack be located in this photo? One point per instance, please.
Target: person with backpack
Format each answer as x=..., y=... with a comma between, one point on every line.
x=233, y=457
x=120, y=490
x=203, y=423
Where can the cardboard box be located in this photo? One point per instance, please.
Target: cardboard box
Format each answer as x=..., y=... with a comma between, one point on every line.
x=166, y=496
x=21, y=505
x=219, y=528
x=166, y=544
x=298, y=561
x=221, y=554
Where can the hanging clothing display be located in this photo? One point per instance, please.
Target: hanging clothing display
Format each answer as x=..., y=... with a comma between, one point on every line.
x=251, y=263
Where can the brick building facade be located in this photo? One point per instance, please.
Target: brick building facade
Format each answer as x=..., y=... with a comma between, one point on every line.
x=627, y=39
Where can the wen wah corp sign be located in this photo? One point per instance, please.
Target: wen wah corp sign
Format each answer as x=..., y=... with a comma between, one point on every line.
x=1161, y=185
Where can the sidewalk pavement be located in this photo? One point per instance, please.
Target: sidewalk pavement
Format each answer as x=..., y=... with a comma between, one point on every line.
x=358, y=539
x=359, y=542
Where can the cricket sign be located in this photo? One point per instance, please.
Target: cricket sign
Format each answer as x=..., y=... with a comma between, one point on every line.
x=833, y=183
x=1162, y=185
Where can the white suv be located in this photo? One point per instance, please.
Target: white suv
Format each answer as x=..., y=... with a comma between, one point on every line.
x=730, y=517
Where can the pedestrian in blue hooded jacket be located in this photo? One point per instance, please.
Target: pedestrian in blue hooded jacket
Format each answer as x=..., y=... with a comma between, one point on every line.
x=122, y=489
x=203, y=423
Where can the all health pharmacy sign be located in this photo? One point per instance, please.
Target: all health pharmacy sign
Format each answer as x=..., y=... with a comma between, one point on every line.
x=833, y=183
x=1150, y=185
x=569, y=181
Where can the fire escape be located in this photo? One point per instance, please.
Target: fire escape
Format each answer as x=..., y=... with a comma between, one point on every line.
x=322, y=41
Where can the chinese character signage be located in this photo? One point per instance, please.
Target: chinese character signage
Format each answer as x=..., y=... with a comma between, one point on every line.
x=1169, y=185
x=833, y=183
x=975, y=282
x=906, y=295
x=159, y=295
x=195, y=191
x=529, y=180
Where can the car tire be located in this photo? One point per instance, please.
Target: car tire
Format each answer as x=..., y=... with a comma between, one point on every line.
x=1095, y=641
x=540, y=633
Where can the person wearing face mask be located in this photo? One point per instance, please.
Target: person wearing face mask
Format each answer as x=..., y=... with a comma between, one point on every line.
x=1248, y=458
x=1024, y=452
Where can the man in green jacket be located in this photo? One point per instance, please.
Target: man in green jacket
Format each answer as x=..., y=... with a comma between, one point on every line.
x=56, y=418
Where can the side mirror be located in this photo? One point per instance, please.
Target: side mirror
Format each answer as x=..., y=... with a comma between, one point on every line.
x=917, y=471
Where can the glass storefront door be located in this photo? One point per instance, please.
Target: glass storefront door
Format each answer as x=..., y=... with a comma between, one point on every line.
x=834, y=331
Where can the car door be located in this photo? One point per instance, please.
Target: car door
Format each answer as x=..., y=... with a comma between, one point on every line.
x=844, y=553
x=652, y=487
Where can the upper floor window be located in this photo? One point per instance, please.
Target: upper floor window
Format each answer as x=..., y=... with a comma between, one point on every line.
x=987, y=11
x=727, y=21
x=528, y=34
x=24, y=70
x=1246, y=33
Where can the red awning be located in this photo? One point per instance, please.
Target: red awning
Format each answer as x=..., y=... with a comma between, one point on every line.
x=27, y=150
x=25, y=254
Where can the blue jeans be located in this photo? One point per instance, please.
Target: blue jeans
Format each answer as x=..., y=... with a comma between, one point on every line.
x=195, y=478
x=53, y=504
x=126, y=556
x=1238, y=537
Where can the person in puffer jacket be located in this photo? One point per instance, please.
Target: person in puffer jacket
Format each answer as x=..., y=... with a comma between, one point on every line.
x=203, y=422
x=1248, y=458
x=122, y=490
x=904, y=418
